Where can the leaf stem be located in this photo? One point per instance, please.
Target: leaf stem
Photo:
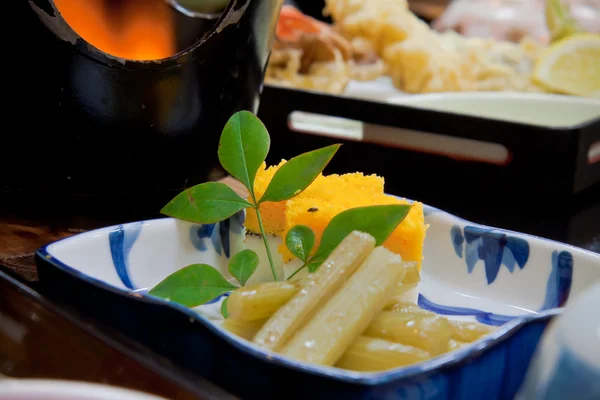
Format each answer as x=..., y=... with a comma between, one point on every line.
x=296, y=271
x=264, y=236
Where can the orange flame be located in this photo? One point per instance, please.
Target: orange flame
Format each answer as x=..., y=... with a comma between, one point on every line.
x=131, y=29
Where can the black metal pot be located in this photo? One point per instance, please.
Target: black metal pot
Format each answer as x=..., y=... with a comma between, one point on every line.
x=85, y=123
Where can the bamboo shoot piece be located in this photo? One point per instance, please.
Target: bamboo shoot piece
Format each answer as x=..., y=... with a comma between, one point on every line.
x=411, y=279
x=466, y=331
x=427, y=332
x=260, y=301
x=325, y=338
x=319, y=288
x=244, y=329
x=455, y=344
x=412, y=275
x=371, y=354
x=408, y=307
x=462, y=331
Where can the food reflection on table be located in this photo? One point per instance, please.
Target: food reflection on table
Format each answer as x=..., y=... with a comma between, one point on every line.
x=374, y=38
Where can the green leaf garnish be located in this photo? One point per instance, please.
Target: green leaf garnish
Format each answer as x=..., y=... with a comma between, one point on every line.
x=243, y=265
x=224, y=311
x=193, y=285
x=298, y=173
x=300, y=241
x=243, y=147
x=206, y=203
x=378, y=221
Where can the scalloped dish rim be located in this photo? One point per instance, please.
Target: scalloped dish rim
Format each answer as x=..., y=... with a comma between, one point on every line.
x=502, y=333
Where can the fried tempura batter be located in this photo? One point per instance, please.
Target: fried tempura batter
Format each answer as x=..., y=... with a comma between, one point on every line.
x=310, y=54
x=421, y=60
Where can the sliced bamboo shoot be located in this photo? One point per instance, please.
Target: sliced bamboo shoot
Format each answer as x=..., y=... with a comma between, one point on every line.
x=411, y=279
x=318, y=288
x=427, y=332
x=466, y=331
x=260, y=301
x=244, y=329
x=462, y=331
x=407, y=307
x=399, y=294
x=412, y=275
x=325, y=337
x=455, y=344
x=371, y=354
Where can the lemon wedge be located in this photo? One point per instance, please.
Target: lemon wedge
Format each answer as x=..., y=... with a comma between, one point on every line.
x=571, y=66
x=559, y=21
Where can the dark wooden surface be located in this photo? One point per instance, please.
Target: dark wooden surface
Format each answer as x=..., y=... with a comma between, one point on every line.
x=27, y=223
x=41, y=341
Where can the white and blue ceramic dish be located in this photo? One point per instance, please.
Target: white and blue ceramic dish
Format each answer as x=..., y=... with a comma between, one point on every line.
x=511, y=280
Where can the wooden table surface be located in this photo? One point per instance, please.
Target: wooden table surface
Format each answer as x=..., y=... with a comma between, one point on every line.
x=26, y=227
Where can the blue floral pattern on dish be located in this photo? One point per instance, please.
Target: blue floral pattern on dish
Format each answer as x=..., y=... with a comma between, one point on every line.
x=559, y=280
x=481, y=316
x=121, y=241
x=494, y=248
x=199, y=234
x=219, y=234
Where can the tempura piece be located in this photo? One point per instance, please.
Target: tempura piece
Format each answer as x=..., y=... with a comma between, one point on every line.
x=320, y=287
x=330, y=77
x=421, y=60
x=371, y=354
x=325, y=338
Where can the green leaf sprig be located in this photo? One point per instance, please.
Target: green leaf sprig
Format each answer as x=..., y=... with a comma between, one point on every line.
x=198, y=284
x=378, y=221
x=243, y=148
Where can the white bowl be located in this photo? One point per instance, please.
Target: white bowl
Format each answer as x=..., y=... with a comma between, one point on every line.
x=49, y=389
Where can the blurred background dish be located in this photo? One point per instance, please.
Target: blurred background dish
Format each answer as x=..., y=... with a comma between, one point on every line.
x=566, y=364
x=366, y=40
x=549, y=110
x=512, y=19
x=47, y=389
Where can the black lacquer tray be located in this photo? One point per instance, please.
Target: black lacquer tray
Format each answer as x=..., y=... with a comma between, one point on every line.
x=539, y=162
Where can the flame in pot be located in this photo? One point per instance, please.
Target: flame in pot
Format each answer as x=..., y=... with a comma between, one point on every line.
x=131, y=29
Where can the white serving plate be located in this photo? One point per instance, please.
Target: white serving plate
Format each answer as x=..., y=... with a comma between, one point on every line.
x=548, y=110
